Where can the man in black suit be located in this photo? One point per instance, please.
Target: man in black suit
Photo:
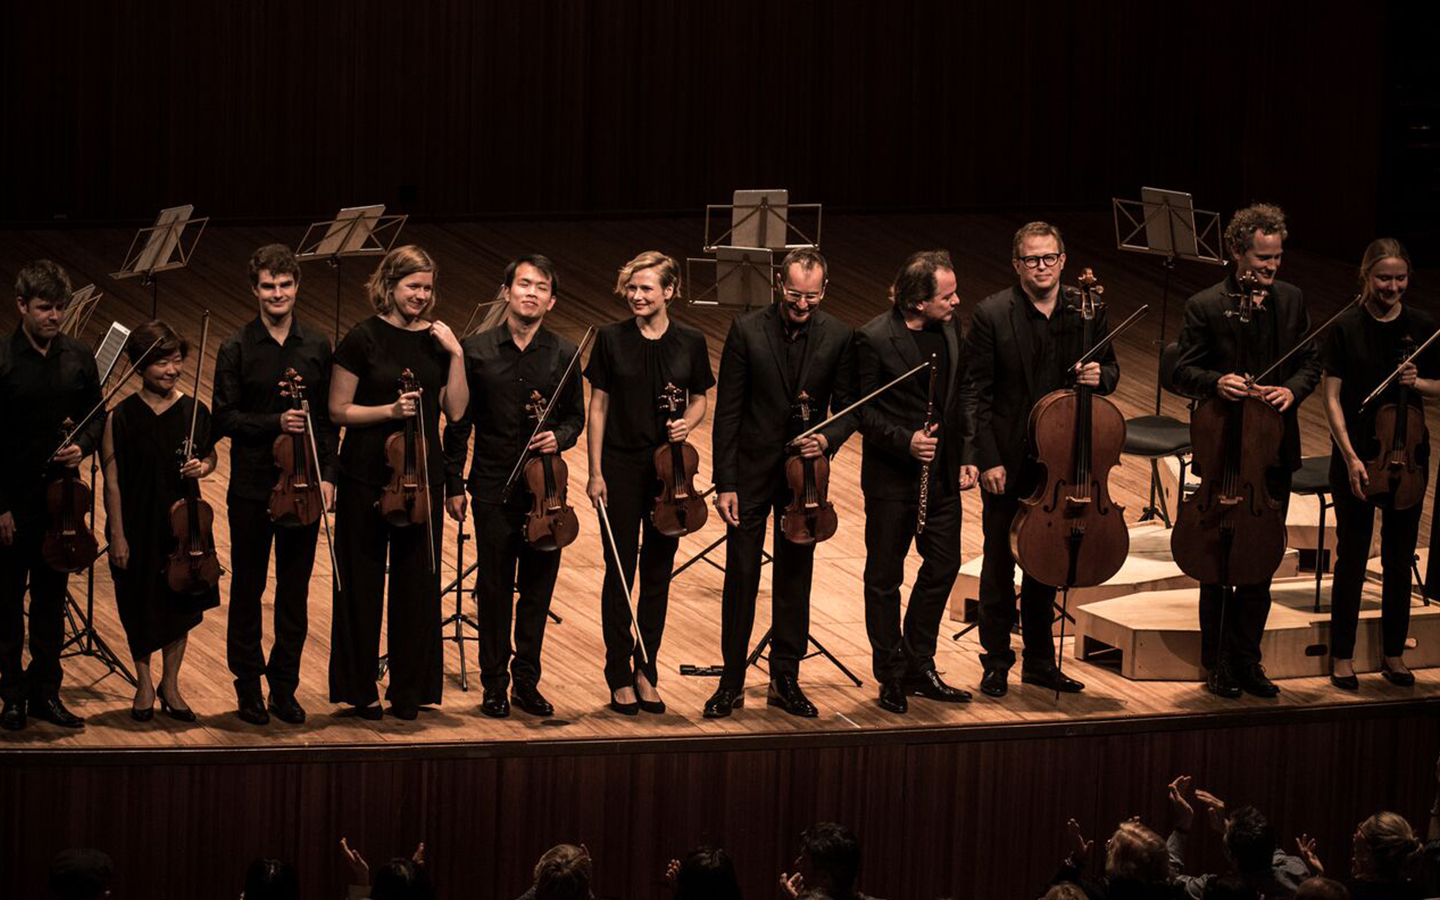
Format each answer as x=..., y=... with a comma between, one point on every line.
x=921, y=325
x=773, y=358
x=1024, y=342
x=1217, y=352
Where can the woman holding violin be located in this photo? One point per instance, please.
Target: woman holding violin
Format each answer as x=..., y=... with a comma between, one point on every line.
x=637, y=365
x=1380, y=452
x=147, y=476
x=394, y=373
x=507, y=368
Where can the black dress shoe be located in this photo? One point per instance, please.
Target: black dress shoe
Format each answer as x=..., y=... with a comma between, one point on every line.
x=1345, y=682
x=529, y=698
x=143, y=713
x=176, y=713
x=252, y=709
x=12, y=717
x=1051, y=678
x=495, y=704
x=53, y=711
x=785, y=693
x=995, y=682
x=624, y=709
x=1253, y=681
x=287, y=709
x=650, y=706
x=723, y=702
x=1397, y=678
x=1222, y=683
x=892, y=696
x=372, y=713
x=405, y=711
x=929, y=685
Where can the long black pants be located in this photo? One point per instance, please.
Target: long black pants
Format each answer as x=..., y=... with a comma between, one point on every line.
x=362, y=539
x=908, y=650
x=251, y=534
x=997, y=593
x=507, y=563
x=1245, y=614
x=20, y=562
x=1354, y=525
x=791, y=569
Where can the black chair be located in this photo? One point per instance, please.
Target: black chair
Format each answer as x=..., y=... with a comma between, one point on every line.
x=1156, y=437
x=1313, y=480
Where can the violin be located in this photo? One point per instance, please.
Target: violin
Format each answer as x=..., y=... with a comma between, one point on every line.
x=1397, y=477
x=405, y=501
x=678, y=508
x=810, y=517
x=551, y=524
x=69, y=545
x=295, y=500
x=193, y=567
x=921, y=514
x=1070, y=533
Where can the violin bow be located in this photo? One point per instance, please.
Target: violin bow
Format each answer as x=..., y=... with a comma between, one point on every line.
x=1109, y=338
x=1312, y=335
x=324, y=509
x=619, y=572
x=545, y=414
x=199, y=370
x=858, y=403
x=104, y=401
x=425, y=478
x=1390, y=379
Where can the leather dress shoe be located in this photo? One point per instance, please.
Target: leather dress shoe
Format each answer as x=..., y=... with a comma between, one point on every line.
x=252, y=709
x=287, y=709
x=930, y=686
x=174, y=712
x=12, y=717
x=892, y=696
x=785, y=693
x=995, y=682
x=1052, y=678
x=529, y=698
x=1222, y=682
x=1396, y=677
x=53, y=711
x=495, y=704
x=1253, y=681
x=723, y=702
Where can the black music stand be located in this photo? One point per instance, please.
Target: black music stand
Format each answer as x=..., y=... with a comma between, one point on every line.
x=355, y=231
x=161, y=248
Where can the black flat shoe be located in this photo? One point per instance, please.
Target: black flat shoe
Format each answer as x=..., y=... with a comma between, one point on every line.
x=287, y=709
x=373, y=713
x=785, y=693
x=624, y=709
x=995, y=682
x=931, y=687
x=1345, y=682
x=1397, y=678
x=721, y=703
x=179, y=715
x=1253, y=681
x=495, y=705
x=1053, y=679
x=405, y=711
x=892, y=697
x=12, y=717
x=53, y=711
x=529, y=699
x=251, y=709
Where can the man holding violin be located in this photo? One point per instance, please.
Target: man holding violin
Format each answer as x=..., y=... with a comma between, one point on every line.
x=45, y=378
x=251, y=410
x=1219, y=349
x=776, y=361
x=505, y=366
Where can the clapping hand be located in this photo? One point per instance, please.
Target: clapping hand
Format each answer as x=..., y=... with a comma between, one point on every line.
x=1305, y=844
x=1180, y=808
x=1216, y=807
x=1079, y=847
x=359, y=868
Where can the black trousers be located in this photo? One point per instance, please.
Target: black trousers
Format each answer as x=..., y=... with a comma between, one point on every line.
x=907, y=650
x=1354, y=525
x=1244, y=616
x=997, y=593
x=790, y=572
x=251, y=534
x=20, y=562
x=507, y=563
x=362, y=541
x=631, y=485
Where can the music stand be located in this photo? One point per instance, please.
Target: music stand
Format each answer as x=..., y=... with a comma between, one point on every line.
x=761, y=218
x=79, y=309
x=355, y=231
x=744, y=278
x=162, y=249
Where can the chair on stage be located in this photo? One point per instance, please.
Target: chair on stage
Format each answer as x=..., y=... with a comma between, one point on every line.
x=1313, y=480
x=1156, y=437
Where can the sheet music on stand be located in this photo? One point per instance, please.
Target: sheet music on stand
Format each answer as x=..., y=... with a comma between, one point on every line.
x=161, y=248
x=1173, y=227
x=355, y=231
x=744, y=278
x=79, y=309
x=109, y=350
x=762, y=218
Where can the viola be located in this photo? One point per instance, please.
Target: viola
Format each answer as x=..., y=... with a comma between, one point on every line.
x=405, y=501
x=1069, y=532
x=551, y=523
x=1397, y=476
x=69, y=544
x=678, y=508
x=194, y=567
x=810, y=516
x=296, y=499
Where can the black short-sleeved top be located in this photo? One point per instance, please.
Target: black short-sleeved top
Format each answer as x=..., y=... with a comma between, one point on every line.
x=376, y=352
x=1362, y=351
x=634, y=369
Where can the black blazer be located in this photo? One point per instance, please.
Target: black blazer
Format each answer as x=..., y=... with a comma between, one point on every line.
x=884, y=350
x=1211, y=342
x=1002, y=371
x=754, y=399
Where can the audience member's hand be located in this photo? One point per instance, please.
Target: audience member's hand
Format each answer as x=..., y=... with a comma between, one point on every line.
x=672, y=874
x=1079, y=847
x=1362, y=860
x=359, y=869
x=792, y=885
x=418, y=857
x=1306, y=845
x=1217, y=809
x=1180, y=808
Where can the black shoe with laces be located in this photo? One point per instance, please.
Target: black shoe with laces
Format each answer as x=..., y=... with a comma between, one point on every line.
x=1222, y=683
x=930, y=686
x=721, y=703
x=287, y=709
x=529, y=698
x=785, y=693
x=1253, y=681
x=53, y=711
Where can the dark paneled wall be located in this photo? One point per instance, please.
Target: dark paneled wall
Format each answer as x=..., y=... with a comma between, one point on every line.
x=449, y=107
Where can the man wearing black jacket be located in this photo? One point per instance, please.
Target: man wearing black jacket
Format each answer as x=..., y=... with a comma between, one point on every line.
x=899, y=441
x=505, y=366
x=1217, y=353
x=1024, y=342
x=774, y=359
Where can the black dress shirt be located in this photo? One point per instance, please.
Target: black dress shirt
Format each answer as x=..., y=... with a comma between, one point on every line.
x=37, y=394
x=502, y=377
x=248, y=403
x=1051, y=343
x=796, y=342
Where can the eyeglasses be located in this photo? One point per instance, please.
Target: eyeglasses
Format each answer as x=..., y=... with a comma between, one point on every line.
x=1035, y=262
x=796, y=296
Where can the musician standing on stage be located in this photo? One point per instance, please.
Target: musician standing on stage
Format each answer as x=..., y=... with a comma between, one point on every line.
x=1024, y=342
x=250, y=410
x=632, y=363
x=504, y=366
x=1217, y=354
x=922, y=323
x=364, y=400
x=771, y=357
x=45, y=378
x=1363, y=348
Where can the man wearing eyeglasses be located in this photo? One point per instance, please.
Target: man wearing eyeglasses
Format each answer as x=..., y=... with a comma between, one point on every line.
x=776, y=360
x=1024, y=342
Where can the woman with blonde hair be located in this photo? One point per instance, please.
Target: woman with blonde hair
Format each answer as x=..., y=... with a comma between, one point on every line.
x=1383, y=848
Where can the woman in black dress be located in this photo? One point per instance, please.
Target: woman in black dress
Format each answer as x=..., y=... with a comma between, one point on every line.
x=632, y=362
x=1362, y=349
x=144, y=475
x=364, y=398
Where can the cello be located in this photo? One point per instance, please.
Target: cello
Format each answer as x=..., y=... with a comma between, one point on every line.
x=551, y=524
x=1396, y=476
x=679, y=510
x=194, y=567
x=810, y=516
x=69, y=545
x=295, y=500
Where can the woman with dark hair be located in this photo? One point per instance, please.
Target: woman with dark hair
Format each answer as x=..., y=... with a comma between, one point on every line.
x=708, y=873
x=269, y=878
x=144, y=476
